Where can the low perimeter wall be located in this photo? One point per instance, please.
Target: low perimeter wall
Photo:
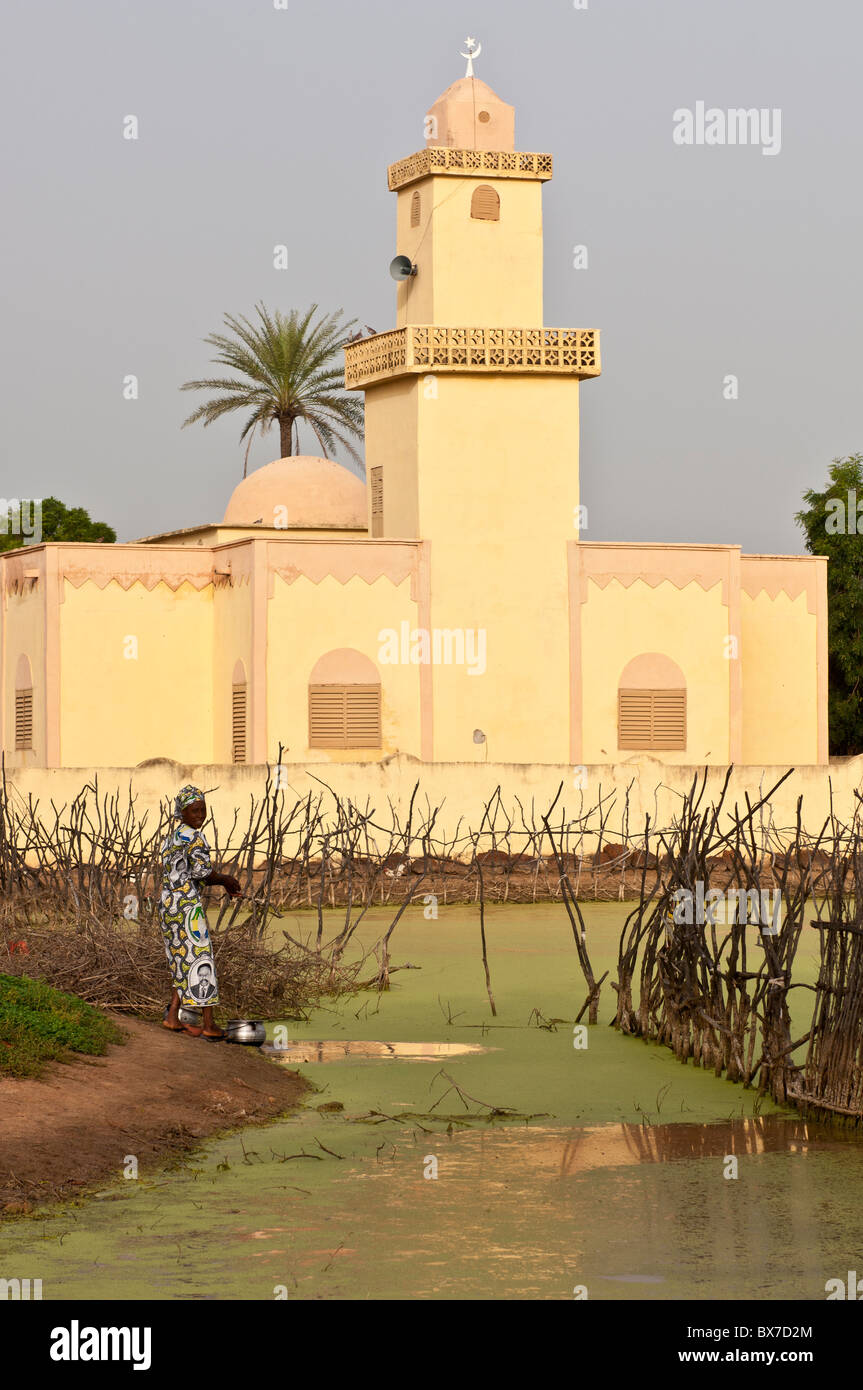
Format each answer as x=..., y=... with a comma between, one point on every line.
x=628, y=791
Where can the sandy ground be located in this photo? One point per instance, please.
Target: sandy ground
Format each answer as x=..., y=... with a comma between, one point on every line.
x=156, y=1096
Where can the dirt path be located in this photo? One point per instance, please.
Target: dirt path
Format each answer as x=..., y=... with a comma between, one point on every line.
x=156, y=1096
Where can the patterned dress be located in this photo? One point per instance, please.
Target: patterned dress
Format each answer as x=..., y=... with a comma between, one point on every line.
x=185, y=860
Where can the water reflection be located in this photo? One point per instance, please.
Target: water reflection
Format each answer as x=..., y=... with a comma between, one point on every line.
x=610, y=1146
x=337, y=1051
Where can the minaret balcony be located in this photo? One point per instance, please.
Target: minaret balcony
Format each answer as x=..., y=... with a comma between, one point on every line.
x=421, y=348
x=497, y=164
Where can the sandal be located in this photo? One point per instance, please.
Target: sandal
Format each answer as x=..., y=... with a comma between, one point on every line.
x=172, y=1027
x=192, y=1030
x=213, y=1037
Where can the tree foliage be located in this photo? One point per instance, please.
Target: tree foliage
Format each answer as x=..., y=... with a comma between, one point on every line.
x=286, y=369
x=833, y=526
x=58, y=523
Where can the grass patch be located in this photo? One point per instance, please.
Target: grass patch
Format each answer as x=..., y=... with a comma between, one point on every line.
x=38, y=1024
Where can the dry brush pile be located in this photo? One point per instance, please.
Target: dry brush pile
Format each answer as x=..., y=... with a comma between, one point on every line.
x=79, y=888
x=711, y=950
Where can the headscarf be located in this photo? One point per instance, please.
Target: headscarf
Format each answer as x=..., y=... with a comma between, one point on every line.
x=185, y=797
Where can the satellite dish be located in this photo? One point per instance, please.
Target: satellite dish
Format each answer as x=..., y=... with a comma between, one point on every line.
x=402, y=268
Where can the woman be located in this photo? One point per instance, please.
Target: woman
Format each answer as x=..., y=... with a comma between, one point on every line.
x=185, y=864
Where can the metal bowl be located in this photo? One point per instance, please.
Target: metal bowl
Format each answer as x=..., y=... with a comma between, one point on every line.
x=192, y=1017
x=246, y=1031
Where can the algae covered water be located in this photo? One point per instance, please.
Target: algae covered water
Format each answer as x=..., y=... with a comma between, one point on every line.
x=449, y=1154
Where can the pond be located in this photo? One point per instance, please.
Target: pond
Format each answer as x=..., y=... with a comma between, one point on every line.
x=503, y=1163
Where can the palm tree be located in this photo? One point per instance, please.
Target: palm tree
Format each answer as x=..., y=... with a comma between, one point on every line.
x=285, y=371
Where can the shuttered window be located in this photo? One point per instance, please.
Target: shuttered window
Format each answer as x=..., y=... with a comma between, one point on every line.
x=415, y=209
x=485, y=204
x=238, y=723
x=24, y=718
x=651, y=719
x=377, y=482
x=344, y=716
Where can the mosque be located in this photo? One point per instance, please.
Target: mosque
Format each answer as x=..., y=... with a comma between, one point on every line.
x=448, y=609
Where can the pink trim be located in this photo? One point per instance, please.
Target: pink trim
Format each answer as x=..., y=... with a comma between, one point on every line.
x=735, y=665
x=53, y=594
x=258, y=674
x=343, y=560
x=821, y=658
x=576, y=693
x=782, y=574
x=421, y=592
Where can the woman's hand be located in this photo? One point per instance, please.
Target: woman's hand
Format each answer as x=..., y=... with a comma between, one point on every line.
x=230, y=884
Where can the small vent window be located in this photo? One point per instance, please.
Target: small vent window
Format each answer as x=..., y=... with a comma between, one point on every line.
x=238, y=723
x=24, y=718
x=344, y=716
x=416, y=206
x=651, y=719
x=377, y=482
x=485, y=204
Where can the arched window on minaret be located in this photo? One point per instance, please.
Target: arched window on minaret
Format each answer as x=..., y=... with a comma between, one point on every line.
x=651, y=704
x=485, y=204
x=416, y=208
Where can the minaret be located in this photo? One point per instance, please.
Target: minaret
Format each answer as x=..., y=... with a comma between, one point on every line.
x=472, y=405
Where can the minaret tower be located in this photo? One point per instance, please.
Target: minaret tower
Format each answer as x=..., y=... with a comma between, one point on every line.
x=472, y=421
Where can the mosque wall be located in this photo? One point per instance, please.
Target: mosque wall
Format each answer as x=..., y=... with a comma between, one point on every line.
x=784, y=658
x=135, y=673
x=485, y=273
x=688, y=626
x=232, y=659
x=307, y=619
x=498, y=498
x=462, y=789
x=24, y=660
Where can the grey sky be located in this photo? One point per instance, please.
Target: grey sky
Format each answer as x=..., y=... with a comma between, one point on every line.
x=260, y=127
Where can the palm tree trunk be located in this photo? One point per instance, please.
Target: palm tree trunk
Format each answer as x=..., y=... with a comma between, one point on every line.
x=286, y=431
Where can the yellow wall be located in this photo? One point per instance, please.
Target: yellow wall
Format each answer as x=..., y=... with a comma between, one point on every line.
x=472, y=272
x=498, y=485
x=306, y=621
x=232, y=619
x=116, y=710
x=391, y=430
x=688, y=625
x=24, y=633
x=651, y=786
x=780, y=689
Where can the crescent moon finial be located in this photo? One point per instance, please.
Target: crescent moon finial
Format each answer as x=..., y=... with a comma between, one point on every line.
x=474, y=49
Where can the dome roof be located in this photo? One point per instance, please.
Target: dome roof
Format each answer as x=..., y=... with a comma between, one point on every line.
x=298, y=492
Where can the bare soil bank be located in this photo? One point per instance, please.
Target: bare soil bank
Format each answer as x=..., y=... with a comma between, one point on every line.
x=156, y=1096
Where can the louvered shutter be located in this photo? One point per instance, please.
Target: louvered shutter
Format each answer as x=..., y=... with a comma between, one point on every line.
x=377, y=483
x=415, y=209
x=24, y=718
x=651, y=719
x=238, y=723
x=344, y=716
x=363, y=716
x=485, y=204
